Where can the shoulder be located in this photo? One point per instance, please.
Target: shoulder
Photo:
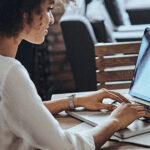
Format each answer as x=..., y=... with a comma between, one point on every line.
x=8, y=64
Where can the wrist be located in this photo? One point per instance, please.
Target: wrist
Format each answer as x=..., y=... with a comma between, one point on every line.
x=115, y=124
x=79, y=101
x=75, y=101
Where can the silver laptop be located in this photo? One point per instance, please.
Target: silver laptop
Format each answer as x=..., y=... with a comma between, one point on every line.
x=140, y=86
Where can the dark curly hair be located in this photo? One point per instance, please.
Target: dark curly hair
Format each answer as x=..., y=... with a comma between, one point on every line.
x=11, y=15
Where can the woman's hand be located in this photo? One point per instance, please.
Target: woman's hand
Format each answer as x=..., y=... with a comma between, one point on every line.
x=120, y=118
x=126, y=113
x=95, y=101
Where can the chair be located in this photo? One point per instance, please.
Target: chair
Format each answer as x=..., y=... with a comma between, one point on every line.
x=115, y=64
x=124, y=21
x=138, y=11
x=117, y=12
x=97, y=12
x=79, y=40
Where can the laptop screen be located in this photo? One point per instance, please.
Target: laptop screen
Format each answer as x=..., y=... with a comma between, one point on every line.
x=140, y=86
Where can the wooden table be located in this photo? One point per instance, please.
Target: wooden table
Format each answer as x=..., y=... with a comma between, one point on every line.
x=67, y=122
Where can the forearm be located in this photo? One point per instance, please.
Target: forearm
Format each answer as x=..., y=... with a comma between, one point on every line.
x=57, y=106
x=103, y=132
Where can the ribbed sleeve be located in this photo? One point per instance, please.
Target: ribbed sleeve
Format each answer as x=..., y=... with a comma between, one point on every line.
x=29, y=120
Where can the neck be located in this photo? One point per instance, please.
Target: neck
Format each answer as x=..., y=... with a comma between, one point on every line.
x=9, y=46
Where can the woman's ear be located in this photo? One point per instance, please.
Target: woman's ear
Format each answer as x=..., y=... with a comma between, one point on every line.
x=25, y=17
x=25, y=23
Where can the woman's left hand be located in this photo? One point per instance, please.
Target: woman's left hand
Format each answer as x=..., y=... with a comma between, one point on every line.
x=95, y=101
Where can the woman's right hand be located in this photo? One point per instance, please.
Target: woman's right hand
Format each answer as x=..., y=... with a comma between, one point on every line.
x=126, y=113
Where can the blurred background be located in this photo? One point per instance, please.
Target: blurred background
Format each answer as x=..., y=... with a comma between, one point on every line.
x=65, y=61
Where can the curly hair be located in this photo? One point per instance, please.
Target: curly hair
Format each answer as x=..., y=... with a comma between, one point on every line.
x=11, y=15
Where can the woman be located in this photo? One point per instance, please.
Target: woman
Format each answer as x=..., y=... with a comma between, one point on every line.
x=25, y=122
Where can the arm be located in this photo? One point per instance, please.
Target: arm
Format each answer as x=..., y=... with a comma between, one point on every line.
x=91, y=102
x=120, y=118
x=28, y=119
x=102, y=133
x=62, y=104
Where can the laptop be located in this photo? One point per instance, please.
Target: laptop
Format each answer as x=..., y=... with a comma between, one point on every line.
x=139, y=92
x=140, y=86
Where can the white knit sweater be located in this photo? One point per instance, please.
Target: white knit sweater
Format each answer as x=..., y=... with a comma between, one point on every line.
x=25, y=123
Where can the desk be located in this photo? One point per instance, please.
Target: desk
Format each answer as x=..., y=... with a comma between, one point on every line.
x=67, y=122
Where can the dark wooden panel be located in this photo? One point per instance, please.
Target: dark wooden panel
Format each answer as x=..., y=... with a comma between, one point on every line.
x=67, y=84
x=116, y=48
x=64, y=76
x=115, y=86
x=114, y=75
x=114, y=62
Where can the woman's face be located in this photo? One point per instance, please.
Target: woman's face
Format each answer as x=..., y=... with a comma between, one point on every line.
x=39, y=28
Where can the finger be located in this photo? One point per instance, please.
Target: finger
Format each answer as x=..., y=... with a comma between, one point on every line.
x=139, y=108
x=136, y=105
x=106, y=106
x=144, y=114
x=121, y=96
x=108, y=94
